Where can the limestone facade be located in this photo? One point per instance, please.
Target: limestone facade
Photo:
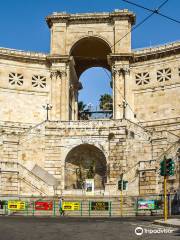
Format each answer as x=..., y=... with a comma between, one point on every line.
x=35, y=153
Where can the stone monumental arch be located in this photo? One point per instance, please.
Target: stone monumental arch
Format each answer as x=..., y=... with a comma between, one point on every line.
x=79, y=42
x=54, y=156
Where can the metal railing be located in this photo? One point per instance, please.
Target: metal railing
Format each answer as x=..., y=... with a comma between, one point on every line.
x=89, y=207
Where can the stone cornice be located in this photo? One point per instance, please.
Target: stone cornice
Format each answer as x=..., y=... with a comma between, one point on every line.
x=156, y=52
x=22, y=56
x=32, y=57
x=90, y=17
x=58, y=58
x=133, y=57
x=18, y=55
x=120, y=57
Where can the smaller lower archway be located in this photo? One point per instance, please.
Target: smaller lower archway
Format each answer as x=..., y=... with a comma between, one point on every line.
x=83, y=162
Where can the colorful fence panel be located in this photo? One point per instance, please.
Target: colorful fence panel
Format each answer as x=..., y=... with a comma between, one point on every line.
x=71, y=206
x=44, y=206
x=100, y=206
x=16, y=205
x=146, y=204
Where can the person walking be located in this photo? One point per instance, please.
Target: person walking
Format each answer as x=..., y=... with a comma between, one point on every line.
x=61, y=211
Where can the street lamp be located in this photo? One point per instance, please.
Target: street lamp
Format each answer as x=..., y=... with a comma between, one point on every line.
x=47, y=107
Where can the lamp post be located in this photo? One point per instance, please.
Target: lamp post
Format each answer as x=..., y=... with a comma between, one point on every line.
x=47, y=107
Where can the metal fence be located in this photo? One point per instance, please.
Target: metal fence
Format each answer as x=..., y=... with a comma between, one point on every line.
x=94, y=206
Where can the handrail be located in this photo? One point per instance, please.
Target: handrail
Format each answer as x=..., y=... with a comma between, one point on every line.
x=30, y=183
x=172, y=133
x=167, y=150
x=16, y=163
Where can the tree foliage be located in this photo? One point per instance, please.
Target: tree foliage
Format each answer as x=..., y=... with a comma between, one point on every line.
x=81, y=106
x=105, y=102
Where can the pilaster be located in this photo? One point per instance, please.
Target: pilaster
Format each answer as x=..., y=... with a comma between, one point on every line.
x=122, y=87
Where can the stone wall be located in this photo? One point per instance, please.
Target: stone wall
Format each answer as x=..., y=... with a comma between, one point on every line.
x=24, y=86
x=128, y=148
x=156, y=84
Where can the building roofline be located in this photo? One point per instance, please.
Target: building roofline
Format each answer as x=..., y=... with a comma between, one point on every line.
x=95, y=17
x=20, y=55
x=156, y=51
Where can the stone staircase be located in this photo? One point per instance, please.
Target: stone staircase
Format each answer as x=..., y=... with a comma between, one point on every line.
x=14, y=176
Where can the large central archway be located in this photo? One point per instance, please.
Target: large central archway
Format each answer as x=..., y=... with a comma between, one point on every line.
x=83, y=162
x=90, y=52
x=87, y=52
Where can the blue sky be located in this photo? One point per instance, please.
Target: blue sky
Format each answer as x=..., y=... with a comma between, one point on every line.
x=23, y=27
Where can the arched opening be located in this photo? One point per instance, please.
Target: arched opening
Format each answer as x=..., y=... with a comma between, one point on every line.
x=85, y=162
x=95, y=97
x=89, y=54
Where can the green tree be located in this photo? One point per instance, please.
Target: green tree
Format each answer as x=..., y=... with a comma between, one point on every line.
x=83, y=112
x=81, y=106
x=105, y=102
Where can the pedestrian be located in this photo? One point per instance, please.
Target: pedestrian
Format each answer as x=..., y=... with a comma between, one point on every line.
x=61, y=211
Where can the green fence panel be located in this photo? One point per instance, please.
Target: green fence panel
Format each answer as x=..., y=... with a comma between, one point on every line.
x=33, y=210
x=6, y=212
x=54, y=208
x=27, y=208
x=136, y=206
x=81, y=209
x=110, y=208
x=89, y=208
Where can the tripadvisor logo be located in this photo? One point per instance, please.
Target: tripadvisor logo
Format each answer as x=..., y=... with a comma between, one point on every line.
x=139, y=231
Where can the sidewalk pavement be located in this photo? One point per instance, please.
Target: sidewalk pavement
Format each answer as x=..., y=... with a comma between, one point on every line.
x=173, y=222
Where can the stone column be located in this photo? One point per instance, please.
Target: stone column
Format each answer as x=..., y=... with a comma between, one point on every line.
x=77, y=87
x=120, y=73
x=73, y=102
x=55, y=113
x=76, y=106
x=74, y=88
x=65, y=95
x=60, y=95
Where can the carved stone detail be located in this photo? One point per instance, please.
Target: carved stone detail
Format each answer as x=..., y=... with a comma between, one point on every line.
x=164, y=75
x=16, y=79
x=58, y=74
x=118, y=70
x=142, y=78
x=38, y=81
